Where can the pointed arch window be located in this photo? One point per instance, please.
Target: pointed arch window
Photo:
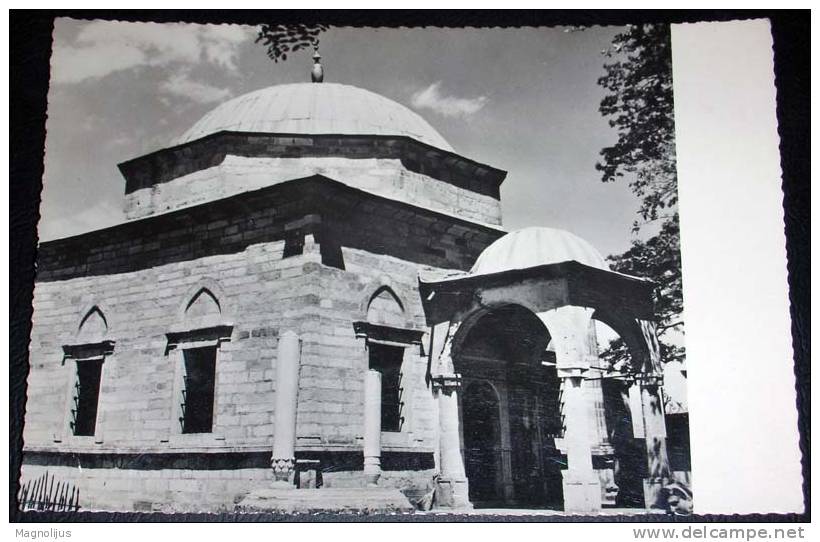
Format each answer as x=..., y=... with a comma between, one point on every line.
x=88, y=352
x=387, y=336
x=195, y=346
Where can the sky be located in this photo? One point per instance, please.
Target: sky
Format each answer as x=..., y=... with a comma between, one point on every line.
x=522, y=100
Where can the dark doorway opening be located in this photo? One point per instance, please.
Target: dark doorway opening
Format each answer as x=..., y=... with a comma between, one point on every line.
x=510, y=411
x=482, y=445
x=535, y=423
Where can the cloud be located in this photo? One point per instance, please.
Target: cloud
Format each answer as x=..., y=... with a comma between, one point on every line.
x=449, y=106
x=183, y=86
x=105, y=47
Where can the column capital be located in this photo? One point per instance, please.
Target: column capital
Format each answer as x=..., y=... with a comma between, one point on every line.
x=444, y=362
x=446, y=382
x=572, y=372
x=647, y=380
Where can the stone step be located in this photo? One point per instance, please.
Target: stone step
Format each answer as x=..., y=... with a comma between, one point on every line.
x=368, y=500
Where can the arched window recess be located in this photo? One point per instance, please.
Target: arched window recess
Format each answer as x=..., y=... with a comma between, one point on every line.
x=194, y=347
x=386, y=346
x=388, y=336
x=386, y=322
x=91, y=341
x=201, y=323
x=88, y=351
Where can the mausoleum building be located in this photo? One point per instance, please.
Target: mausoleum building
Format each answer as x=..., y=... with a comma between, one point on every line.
x=313, y=289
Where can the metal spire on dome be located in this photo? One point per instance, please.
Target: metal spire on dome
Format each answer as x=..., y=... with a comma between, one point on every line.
x=317, y=75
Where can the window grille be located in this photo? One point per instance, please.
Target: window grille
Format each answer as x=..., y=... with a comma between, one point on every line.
x=197, y=393
x=387, y=359
x=85, y=398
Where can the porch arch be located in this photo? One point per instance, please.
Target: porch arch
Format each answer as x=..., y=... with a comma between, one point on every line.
x=629, y=329
x=509, y=447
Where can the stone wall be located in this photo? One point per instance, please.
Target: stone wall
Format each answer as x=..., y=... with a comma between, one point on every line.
x=386, y=177
x=316, y=205
x=334, y=360
x=305, y=255
x=161, y=490
x=234, y=161
x=176, y=490
x=260, y=294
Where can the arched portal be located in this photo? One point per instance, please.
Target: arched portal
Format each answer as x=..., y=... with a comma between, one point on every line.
x=508, y=371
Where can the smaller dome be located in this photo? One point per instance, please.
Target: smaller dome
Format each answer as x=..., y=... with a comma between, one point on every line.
x=531, y=247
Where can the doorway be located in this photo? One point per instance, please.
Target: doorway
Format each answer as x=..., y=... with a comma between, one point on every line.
x=482, y=443
x=510, y=411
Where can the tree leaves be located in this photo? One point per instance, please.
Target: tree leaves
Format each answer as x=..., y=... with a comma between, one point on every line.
x=658, y=258
x=640, y=107
x=280, y=39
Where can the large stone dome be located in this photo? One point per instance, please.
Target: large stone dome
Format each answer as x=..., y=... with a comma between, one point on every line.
x=315, y=108
x=531, y=247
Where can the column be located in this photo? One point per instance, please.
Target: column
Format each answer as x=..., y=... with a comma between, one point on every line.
x=659, y=472
x=372, y=426
x=600, y=433
x=284, y=431
x=582, y=487
x=568, y=327
x=452, y=489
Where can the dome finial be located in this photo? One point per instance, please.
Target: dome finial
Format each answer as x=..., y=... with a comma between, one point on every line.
x=317, y=75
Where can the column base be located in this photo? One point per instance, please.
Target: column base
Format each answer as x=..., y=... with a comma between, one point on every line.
x=654, y=494
x=283, y=472
x=582, y=491
x=453, y=494
x=372, y=471
x=609, y=489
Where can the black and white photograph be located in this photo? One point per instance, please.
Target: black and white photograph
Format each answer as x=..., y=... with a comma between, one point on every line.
x=304, y=268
